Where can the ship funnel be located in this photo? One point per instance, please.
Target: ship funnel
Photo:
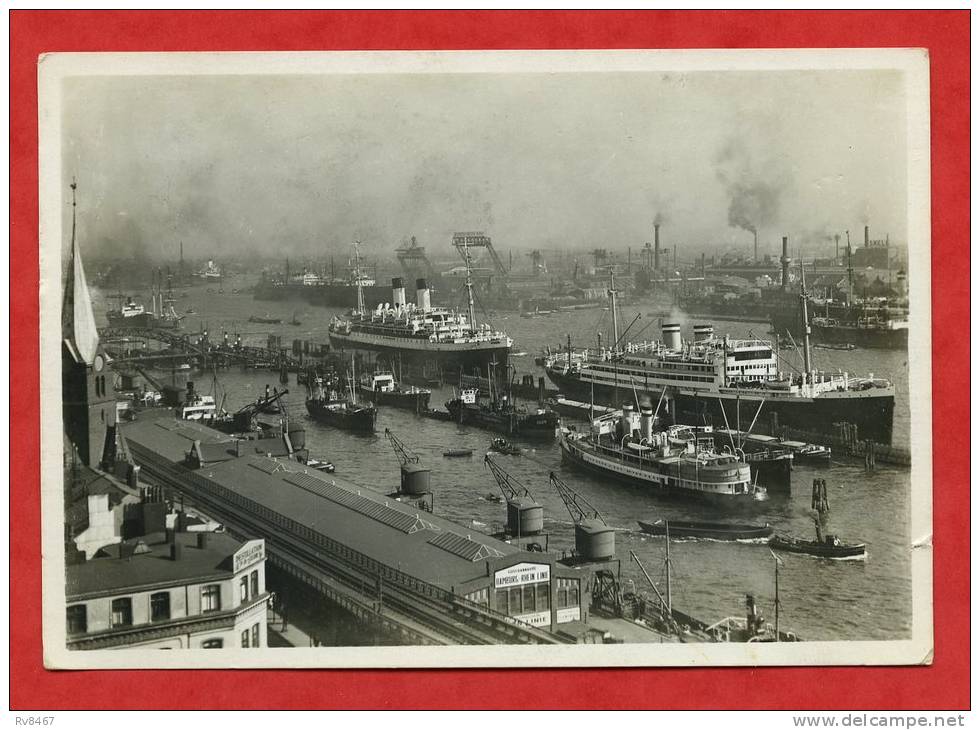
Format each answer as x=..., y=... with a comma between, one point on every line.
x=703, y=332
x=397, y=293
x=422, y=295
x=672, y=336
x=626, y=420
x=646, y=424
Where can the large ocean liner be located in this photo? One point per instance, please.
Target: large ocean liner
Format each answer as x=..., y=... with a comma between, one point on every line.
x=418, y=333
x=725, y=381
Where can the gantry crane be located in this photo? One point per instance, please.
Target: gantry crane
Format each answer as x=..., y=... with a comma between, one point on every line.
x=413, y=260
x=477, y=239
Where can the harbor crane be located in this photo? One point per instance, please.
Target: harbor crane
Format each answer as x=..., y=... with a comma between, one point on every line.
x=413, y=259
x=537, y=262
x=404, y=454
x=477, y=239
x=580, y=509
x=415, y=479
x=525, y=516
x=595, y=540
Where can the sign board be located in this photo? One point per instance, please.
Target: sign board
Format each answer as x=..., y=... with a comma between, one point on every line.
x=542, y=618
x=522, y=574
x=569, y=614
x=249, y=554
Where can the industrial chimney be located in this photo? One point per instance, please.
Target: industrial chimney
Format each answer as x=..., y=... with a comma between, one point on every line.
x=656, y=247
x=397, y=293
x=755, y=250
x=867, y=236
x=785, y=262
x=422, y=295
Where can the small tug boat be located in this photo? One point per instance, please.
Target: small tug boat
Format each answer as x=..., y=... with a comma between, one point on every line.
x=827, y=545
x=503, y=446
x=321, y=465
x=708, y=530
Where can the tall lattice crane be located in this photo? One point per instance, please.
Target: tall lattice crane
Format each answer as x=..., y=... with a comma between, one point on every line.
x=512, y=489
x=477, y=239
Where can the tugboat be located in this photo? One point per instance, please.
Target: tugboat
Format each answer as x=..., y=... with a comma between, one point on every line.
x=502, y=415
x=827, y=545
x=628, y=449
x=327, y=405
x=381, y=388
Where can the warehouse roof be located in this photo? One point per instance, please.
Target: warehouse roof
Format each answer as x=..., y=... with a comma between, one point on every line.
x=400, y=535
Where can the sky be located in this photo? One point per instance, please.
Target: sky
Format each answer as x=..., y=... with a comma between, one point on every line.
x=242, y=166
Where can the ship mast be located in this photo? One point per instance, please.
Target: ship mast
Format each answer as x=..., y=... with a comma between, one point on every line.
x=612, y=305
x=469, y=286
x=806, y=325
x=357, y=276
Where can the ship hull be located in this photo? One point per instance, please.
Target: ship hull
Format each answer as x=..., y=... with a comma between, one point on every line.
x=147, y=320
x=530, y=425
x=660, y=483
x=871, y=412
x=416, y=402
x=360, y=420
x=870, y=337
x=448, y=358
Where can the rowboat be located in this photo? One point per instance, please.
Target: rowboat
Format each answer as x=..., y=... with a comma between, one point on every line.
x=452, y=453
x=831, y=547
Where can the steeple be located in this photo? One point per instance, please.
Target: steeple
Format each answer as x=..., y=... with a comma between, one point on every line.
x=77, y=319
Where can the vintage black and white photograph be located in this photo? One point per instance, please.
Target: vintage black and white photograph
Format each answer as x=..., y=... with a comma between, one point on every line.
x=486, y=359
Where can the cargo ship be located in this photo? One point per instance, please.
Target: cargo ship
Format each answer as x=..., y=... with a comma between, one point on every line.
x=326, y=403
x=416, y=333
x=503, y=416
x=719, y=380
x=625, y=446
x=382, y=389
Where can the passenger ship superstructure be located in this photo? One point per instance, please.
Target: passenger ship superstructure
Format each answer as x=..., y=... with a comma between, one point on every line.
x=676, y=461
x=418, y=332
x=727, y=382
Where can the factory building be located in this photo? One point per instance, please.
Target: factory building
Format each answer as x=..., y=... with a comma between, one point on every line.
x=334, y=515
x=172, y=590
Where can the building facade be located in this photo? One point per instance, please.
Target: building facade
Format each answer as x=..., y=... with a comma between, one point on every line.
x=185, y=591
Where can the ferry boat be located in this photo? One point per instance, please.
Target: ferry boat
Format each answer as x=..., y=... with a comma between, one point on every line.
x=418, y=332
x=720, y=380
x=629, y=449
x=382, y=388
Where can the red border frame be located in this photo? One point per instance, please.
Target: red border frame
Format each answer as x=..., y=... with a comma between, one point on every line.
x=946, y=34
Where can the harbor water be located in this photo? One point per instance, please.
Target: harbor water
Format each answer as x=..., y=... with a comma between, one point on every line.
x=819, y=599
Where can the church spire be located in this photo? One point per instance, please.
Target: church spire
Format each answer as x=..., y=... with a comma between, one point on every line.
x=77, y=319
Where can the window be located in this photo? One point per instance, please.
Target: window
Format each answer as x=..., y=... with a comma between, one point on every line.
x=255, y=636
x=122, y=612
x=77, y=619
x=501, y=601
x=213, y=644
x=543, y=597
x=528, y=595
x=243, y=588
x=255, y=583
x=514, y=601
x=245, y=637
x=210, y=598
x=160, y=606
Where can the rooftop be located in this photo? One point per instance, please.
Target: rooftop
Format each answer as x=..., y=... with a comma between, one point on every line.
x=148, y=564
x=419, y=543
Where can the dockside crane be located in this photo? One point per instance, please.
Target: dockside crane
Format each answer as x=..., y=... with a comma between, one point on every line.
x=594, y=539
x=525, y=516
x=464, y=240
x=414, y=477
